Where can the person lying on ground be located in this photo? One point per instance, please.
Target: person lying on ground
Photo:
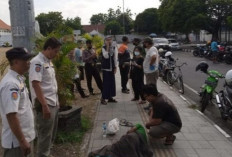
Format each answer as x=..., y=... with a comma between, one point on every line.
x=164, y=119
x=134, y=143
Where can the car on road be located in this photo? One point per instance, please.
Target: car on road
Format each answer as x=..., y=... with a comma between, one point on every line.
x=174, y=44
x=161, y=43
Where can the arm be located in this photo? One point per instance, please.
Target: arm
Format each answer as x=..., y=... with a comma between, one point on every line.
x=17, y=131
x=153, y=59
x=152, y=121
x=86, y=58
x=41, y=98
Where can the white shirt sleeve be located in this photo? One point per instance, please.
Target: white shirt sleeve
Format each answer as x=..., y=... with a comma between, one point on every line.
x=105, y=53
x=11, y=97
x=152, y=52
x=116, y=57
x=36, y=71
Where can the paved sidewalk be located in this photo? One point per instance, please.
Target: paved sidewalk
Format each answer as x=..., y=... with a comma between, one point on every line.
x=198, y=137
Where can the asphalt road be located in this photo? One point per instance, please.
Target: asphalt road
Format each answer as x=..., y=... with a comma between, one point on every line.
x=193, y=81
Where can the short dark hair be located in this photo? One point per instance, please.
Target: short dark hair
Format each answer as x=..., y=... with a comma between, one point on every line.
x=52, y=43
x=148, y=40
x=88, y=41
x=139, y=48
x=125, y=39
x=150, y=89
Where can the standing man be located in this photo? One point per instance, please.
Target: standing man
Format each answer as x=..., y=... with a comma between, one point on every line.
x=90, y=58
x=151, y=62
x=124, y=63
x=44, y=95
x=109, y=68
x=214, y=49
x=15, y=107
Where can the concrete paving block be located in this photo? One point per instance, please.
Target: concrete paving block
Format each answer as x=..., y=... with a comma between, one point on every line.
x=201, y=145
x=181, y=144
x=208, y=153
x=193, y=136
x=221, y=144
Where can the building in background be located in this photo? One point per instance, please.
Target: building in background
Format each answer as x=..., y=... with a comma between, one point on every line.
x=96, y=28
x=5, y=34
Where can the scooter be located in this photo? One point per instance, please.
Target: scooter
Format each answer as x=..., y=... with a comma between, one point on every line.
x=209, y=87
x=200, y=51
x=224, y=102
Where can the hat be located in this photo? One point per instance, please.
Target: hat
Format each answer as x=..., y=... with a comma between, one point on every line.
x=148, y=40
x=108, y=36
x=18, y=53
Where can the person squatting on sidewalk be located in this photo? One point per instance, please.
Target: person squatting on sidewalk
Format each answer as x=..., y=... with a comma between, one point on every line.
x=109, y=69
x=90, y=58
x=164, y=119
x=43, y=86
x=18, y=130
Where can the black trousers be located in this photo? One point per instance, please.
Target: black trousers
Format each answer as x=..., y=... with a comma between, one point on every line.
x=82, y=73
x=78, y=86
x=124, y=72
x=91, y=71
x=137, y=86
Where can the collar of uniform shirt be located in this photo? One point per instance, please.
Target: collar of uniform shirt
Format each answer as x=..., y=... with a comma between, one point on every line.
x=44, y=57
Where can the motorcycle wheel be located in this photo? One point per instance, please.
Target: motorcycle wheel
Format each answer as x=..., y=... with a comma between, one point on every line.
x=228, y=60
x=180, y=85
x=195, y=53
x=170, y=79
x=205, y=101
x=224, y=118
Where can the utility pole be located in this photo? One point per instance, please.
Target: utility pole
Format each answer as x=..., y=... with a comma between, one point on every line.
x=22, y=23
x=123, y=18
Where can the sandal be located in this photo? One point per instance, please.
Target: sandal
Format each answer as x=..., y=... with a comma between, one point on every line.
x=112, y=100
x=103, y=102
x=170, y=141
x=124, y=122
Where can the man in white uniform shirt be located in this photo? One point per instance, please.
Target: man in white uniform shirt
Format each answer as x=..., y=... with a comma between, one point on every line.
x=151, y=62
x=44, y=95
x=15, y=107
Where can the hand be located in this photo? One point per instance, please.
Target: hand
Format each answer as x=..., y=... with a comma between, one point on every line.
x=133, y=129
x=94, y=55
x=115, y=70
x=25, y=147
x=148, y=126
x=46, y=112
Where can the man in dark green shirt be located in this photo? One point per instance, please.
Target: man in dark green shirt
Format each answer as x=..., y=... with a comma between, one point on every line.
x=164, y=119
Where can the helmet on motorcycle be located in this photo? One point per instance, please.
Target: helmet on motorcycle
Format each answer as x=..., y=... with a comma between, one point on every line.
x=203, y=66
x=161, y=50
x=167, y=54
x=228, y=78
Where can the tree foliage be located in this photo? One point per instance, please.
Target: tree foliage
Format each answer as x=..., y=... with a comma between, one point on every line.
x=98, y=19
x=74, y=23
x=113, y=28
x=49, y=22
x=148, y=21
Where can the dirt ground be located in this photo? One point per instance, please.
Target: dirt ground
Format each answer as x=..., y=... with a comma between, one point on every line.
x=88, y=109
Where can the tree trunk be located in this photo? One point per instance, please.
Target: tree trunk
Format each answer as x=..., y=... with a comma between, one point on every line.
x=187, y=38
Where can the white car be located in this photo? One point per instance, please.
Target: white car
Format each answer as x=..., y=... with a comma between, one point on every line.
x=174, y=44
x=161, y=43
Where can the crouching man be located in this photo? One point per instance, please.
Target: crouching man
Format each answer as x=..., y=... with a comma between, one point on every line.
x=164, y=119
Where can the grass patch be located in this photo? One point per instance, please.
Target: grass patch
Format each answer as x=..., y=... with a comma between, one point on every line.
x=75, y=136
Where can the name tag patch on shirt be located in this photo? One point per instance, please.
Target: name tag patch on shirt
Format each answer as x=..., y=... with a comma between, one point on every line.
x=14, y=95
x=37, y=67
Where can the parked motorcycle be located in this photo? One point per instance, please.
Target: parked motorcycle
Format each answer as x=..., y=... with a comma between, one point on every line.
x=210, y=84
x=224, y=98
x=200, y=51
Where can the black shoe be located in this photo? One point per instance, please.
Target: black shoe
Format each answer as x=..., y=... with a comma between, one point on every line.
x=92, y=93
x=134, y=99
x=128, y=89
x=103, y=102
x=125, y=91
x=85, y=96
x=112, y=100
x=147, y=108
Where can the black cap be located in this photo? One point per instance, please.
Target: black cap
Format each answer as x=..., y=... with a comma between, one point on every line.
x=18, y=53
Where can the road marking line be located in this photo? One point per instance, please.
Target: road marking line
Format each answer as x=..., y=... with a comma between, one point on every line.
x=183, y=98
x=193, y=90
x=222, y=131
x=200, y=112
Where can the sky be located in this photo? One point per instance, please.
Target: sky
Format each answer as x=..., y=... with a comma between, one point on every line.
x=82, y=8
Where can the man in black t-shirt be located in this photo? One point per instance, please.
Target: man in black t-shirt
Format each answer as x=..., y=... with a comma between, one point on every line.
x=164, y=119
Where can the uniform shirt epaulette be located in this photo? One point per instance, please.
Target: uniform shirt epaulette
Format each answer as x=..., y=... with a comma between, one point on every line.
x=14, y=89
